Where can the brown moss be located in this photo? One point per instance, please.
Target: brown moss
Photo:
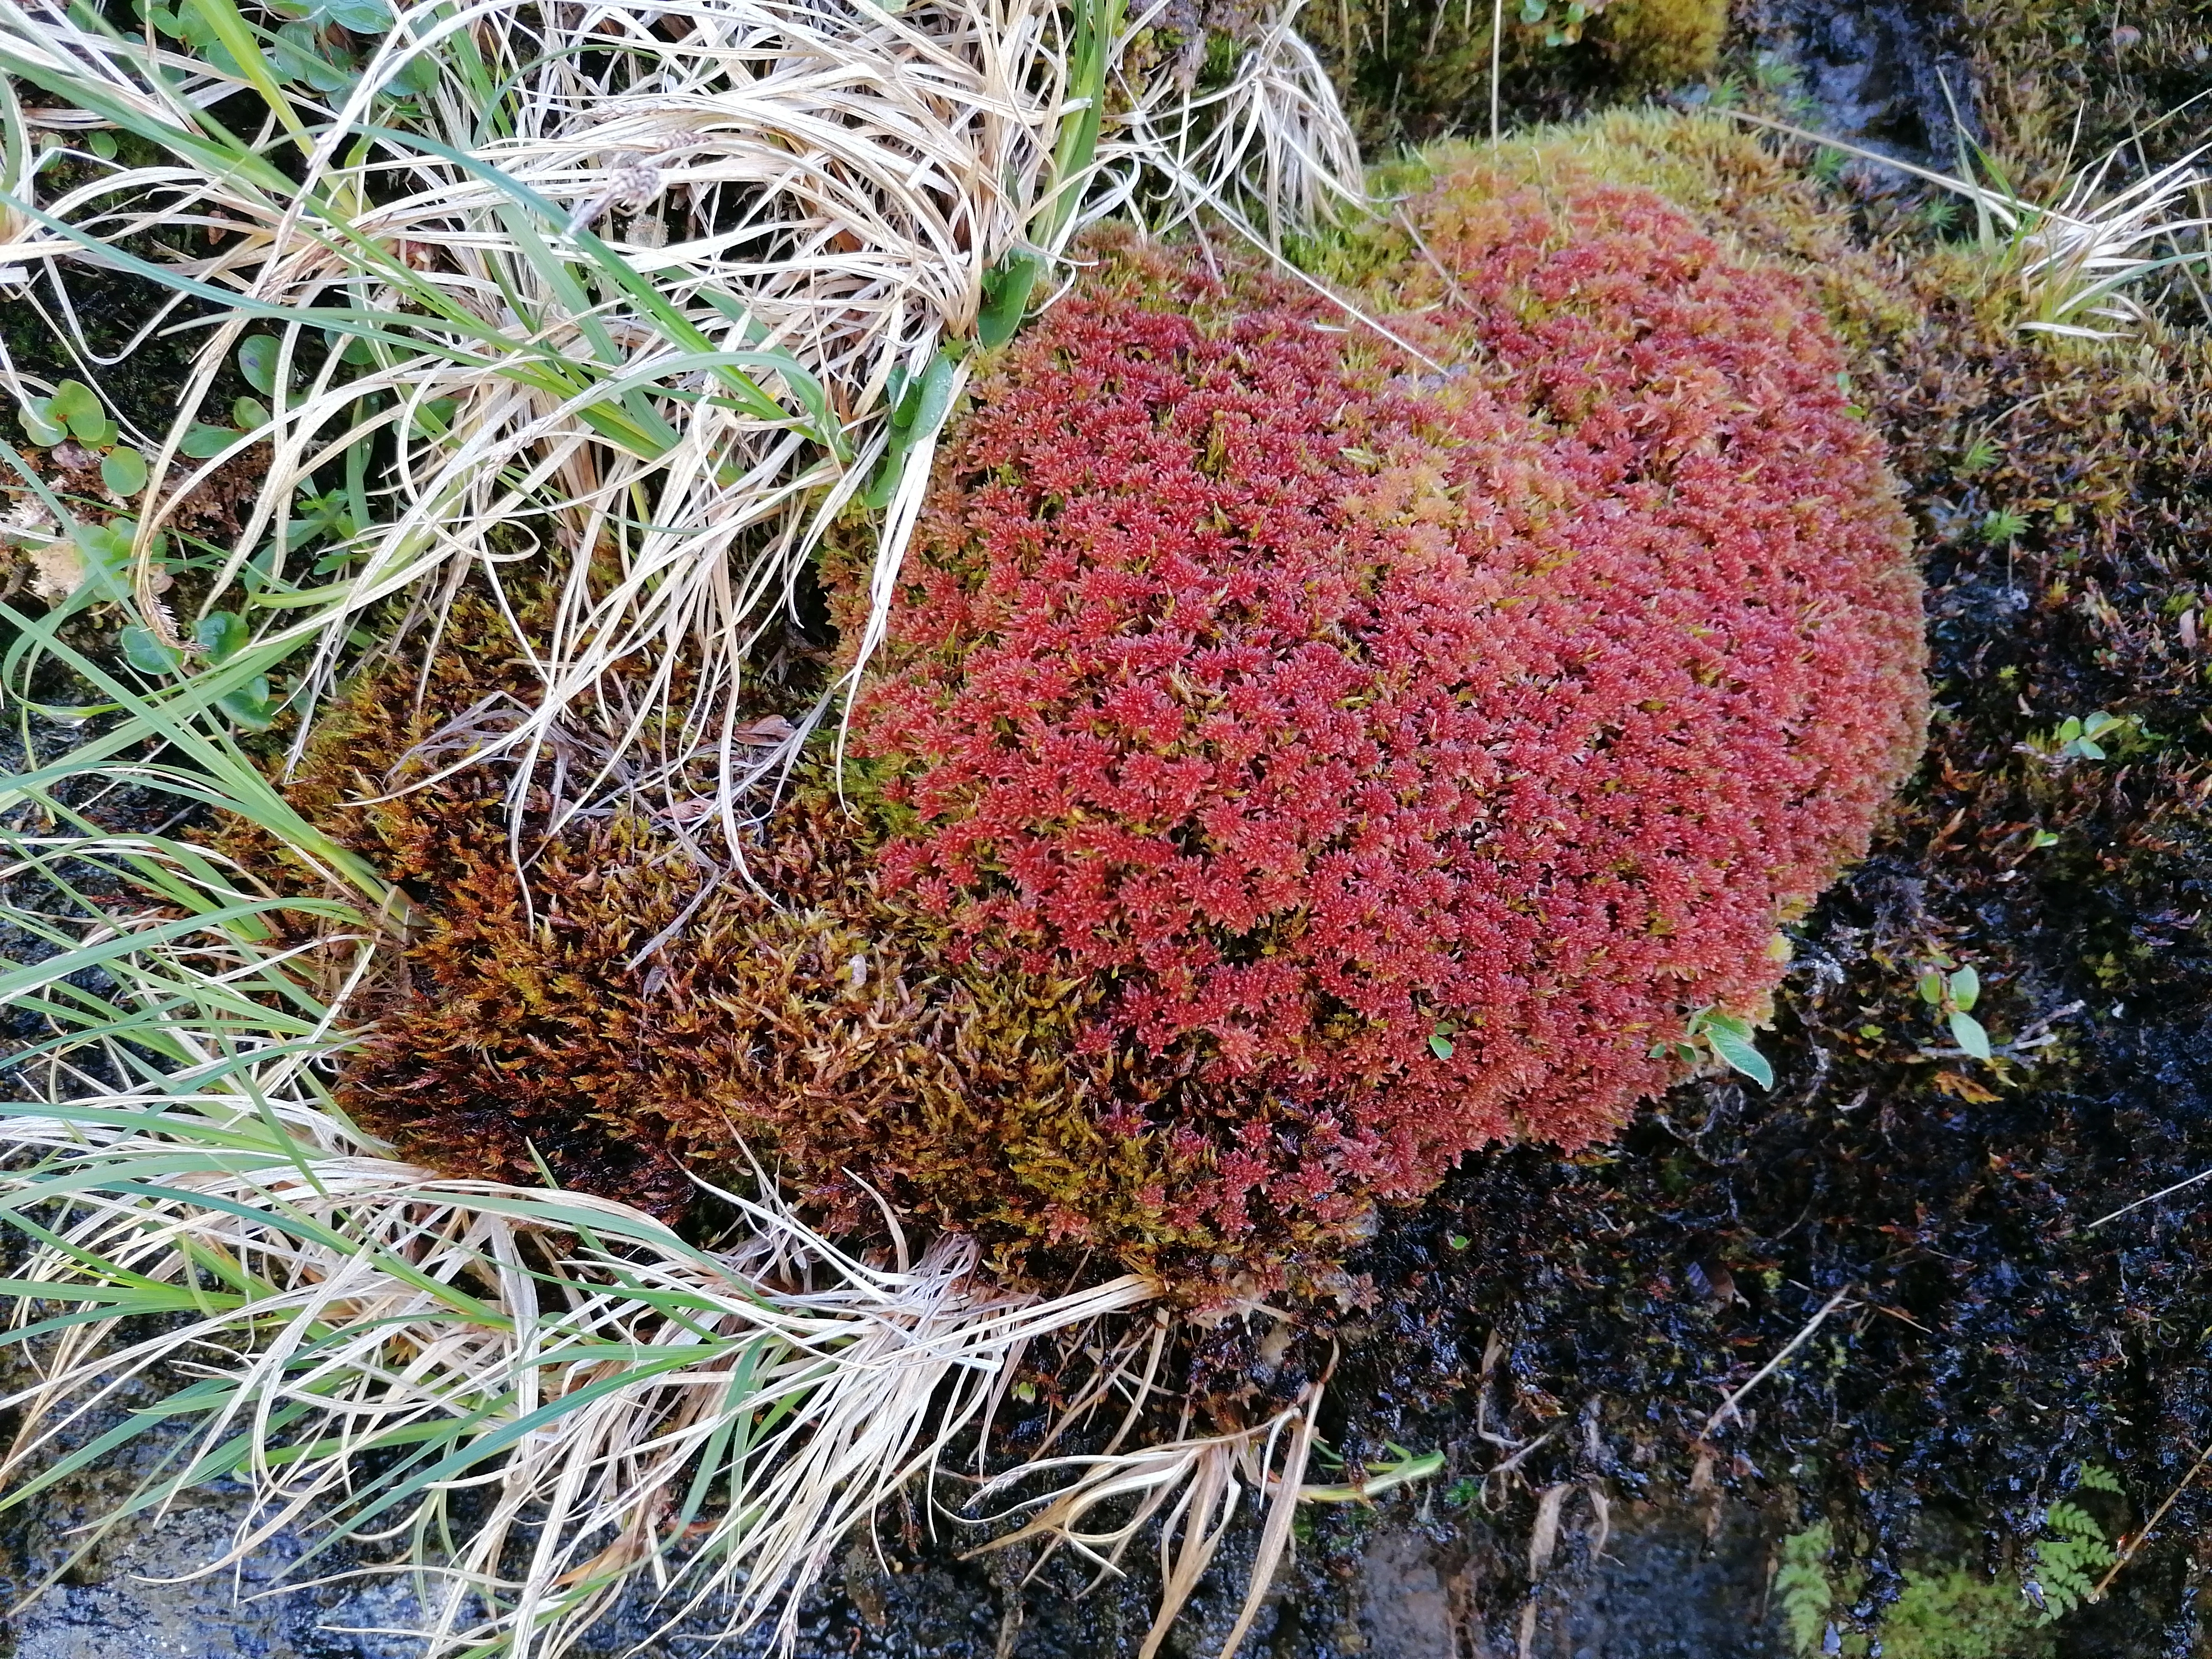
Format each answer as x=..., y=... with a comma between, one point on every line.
x=629, y=1009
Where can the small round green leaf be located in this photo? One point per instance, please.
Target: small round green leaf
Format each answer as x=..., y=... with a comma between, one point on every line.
x=77, y=406
x=39, y=424
x=417, y=74
x=202, y=442
x=1441, y=1047
x=123, y=471
x=250, y=413
x=221, y=634
x=146, y=652
x=250, y=706
x=362, y=16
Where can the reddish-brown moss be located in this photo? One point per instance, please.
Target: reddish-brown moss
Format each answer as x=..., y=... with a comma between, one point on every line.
x=1449, y=738
x=1408, y=752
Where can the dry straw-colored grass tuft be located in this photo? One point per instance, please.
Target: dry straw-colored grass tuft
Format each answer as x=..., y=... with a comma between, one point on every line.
x=672, y=285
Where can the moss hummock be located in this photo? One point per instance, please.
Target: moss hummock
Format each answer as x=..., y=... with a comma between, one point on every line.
x=1293, y=764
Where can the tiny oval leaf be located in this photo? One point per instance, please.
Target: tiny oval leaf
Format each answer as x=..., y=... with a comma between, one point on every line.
x=1732, y=1043
x=123, y=471
x=257, y=360
x=1967, y=1031
x=1965, y=989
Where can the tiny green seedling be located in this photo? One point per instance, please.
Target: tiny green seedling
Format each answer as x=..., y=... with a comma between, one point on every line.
x=2002, y=525
x=220, y=636
x=1981, y=454
x=1440, y=1039
x=1564, y=29
x=919, y=404
x=74, y=412
x=104, y=551
x=1728, y=1037
x=1953, y=994
x=2078, y=738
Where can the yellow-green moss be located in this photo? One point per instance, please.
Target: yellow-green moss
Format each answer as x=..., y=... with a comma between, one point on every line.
x=1661, y=43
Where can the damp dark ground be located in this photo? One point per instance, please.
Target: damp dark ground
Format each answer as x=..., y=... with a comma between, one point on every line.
x=1565, y=1331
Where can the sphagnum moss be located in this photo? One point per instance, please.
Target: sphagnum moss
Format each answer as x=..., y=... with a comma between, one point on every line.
x=1286, y=774
x=790, y=1010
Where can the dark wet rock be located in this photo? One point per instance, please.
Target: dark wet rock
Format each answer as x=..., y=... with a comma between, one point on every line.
x=1886, y=73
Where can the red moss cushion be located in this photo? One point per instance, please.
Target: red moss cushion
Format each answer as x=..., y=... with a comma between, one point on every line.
x=1405, y=746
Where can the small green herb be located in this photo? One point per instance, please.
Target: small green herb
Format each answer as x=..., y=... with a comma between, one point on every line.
x=2095, y=1477
x=2079, y=739
x=105, y=549
x=1801, y=1589
x=2065, y=1564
